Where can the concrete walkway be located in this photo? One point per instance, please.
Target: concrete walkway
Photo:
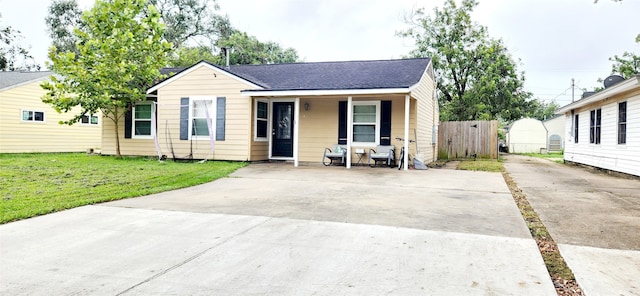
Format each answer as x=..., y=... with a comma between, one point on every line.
x=278, y=230
x=594, y=218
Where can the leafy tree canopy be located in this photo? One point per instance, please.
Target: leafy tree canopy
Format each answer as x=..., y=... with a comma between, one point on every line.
x=477, y=77
x=120, y=51
x=247, y=49
x=13, y=55
x=194, y=28
x=63, y=17
x=627, y=64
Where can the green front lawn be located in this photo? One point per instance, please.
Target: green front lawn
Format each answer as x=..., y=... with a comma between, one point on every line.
x=37, y=184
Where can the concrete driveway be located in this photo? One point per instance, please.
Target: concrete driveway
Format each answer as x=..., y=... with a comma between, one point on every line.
x=271, y=229
x=594, y=218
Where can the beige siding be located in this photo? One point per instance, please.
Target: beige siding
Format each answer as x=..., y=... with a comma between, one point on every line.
x=319, y=125
x=201, y=82
x=427, y=111
x=18, y=136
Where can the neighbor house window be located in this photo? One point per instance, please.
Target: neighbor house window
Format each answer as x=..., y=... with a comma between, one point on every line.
x=201, y=114
x=141, y=126
x=89, y=119
x=594, y=128
x=366, y=118
x=261, y=119
x=622, y=123
x=34, y=116
x=575, y=128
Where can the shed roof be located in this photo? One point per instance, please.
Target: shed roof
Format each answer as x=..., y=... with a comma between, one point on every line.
x=10, y=79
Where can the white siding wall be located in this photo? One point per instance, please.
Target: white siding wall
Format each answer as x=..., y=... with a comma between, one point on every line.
x=18, y=136
x=556, y=126
x=527, y=135
x=608, y=154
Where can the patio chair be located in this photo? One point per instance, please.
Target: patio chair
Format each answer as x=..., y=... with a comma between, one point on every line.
x=337, y=152
x=383, y=153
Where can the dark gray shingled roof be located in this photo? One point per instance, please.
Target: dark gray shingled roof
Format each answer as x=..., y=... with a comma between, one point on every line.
x=333, y=75
x=11, y=78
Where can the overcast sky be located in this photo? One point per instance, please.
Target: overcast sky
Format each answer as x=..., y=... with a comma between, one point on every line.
x=554, y=40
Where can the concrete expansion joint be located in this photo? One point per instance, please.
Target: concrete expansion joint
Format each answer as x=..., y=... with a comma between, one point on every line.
x=197, y=255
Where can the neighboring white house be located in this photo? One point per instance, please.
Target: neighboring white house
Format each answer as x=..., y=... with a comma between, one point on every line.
x=527, y=135
x=603, y=130
x=555, y=132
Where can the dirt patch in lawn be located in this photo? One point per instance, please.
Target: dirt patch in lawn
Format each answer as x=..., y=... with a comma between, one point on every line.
x=561, y=275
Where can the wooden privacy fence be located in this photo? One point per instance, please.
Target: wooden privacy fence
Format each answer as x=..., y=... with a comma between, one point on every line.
x=468, y=139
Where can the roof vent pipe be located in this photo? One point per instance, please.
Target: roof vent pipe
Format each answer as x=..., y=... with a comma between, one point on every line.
x=226, y=53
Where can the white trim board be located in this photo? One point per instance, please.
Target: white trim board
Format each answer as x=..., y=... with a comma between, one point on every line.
x=331, y=92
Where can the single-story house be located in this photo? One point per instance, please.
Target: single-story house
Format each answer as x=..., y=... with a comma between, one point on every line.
x=555, y=130
x=29, y=125
x=526, y=135
x=286, y=112
x=603, y=129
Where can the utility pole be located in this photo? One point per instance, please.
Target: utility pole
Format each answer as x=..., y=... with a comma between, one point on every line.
x=573, y=84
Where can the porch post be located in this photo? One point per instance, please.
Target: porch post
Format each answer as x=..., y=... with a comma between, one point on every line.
x=407, y=101
x=349, y=129
x=296, y=138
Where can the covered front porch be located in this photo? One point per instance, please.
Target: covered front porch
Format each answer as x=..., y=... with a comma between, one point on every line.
x=299, y=127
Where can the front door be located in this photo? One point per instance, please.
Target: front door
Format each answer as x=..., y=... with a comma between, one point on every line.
x=282, y=130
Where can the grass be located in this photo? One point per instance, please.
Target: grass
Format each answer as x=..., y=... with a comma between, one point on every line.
x=553, y=156
x=38, y=184
x=485, y=165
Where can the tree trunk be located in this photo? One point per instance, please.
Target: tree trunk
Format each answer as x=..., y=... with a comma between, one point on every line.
x=117, y=130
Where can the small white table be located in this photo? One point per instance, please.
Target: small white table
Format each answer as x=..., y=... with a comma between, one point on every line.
x=360, y=152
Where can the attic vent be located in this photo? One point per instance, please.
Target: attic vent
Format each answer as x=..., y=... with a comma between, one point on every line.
x=612, y=80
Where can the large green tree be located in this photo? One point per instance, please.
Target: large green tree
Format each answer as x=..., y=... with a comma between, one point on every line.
x=64, y=16
x=246, y=49
x=120, y=51
x=243, y=49
x=194, y=28
x=627, y=64
x=476, y=75
x=186, y=21
x=14, y=55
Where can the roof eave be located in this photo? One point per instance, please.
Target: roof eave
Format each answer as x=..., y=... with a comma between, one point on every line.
x=327, y=92
x=621, y=87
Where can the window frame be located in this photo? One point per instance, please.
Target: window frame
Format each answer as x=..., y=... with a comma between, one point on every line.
x=256, y=119
x=33, y=116
x=376, y=124
x=576, y=128
x=212, y=116
x=622, y=123
x=89, y=117
x=595, y=126
x=134, y=120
